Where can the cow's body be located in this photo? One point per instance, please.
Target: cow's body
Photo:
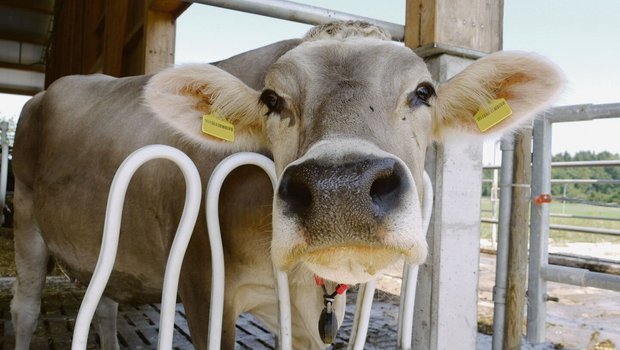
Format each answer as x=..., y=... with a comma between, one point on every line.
x=72, y=138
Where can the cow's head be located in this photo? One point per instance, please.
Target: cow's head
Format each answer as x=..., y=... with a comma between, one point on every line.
x=347, y=116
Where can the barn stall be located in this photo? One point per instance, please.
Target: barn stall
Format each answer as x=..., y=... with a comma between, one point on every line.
x=123, y=38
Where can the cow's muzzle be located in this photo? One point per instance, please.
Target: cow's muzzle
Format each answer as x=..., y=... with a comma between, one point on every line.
x=345, y=203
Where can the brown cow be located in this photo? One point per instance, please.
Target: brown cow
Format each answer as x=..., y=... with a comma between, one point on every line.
x=345, y=114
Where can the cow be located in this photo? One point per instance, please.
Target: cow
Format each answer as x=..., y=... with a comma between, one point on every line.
x=345, y=114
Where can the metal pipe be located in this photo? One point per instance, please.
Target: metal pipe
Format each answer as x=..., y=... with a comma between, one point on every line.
x=501, y=272
x=580, y=277
x=595, y=230
x=111, y=232
x=4, y=168
x=586, y=164
x=576, y=181
x=539, y=232
x=301, y=13
x=576, y=164
x=586, y=181
x=583, y=112
x=570, y=228
x=586, y=217
x=217, y=253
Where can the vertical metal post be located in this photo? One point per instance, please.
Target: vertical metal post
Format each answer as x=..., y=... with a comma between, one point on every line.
x=564, y=200
x=539, y=232
x=4, y=168
x=494, y=205
x=501, y=266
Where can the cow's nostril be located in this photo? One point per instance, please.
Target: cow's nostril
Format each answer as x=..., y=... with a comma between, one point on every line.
x=385, y=192
x=295, y=194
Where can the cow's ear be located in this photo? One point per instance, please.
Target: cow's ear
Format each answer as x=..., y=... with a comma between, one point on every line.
x=182, y=96
x=528, y=82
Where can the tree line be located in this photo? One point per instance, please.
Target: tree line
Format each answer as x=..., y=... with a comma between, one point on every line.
x=603, y=193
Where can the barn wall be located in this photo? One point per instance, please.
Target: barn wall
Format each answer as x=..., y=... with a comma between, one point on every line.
x=114, y=37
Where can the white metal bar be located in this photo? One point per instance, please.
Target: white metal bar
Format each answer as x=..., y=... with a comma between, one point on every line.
x=4, y=168
x=111, y=231
x=359, y=331
x=296, y=12
x=539, y=232
x=410, y=277
x=217, y=255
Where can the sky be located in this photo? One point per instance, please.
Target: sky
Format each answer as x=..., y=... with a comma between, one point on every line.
x=582, y=37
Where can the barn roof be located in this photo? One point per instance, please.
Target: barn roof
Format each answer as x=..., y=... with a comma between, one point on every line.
x=25, y=30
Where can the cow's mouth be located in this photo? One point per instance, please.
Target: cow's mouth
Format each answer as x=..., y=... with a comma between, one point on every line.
x=351, y=264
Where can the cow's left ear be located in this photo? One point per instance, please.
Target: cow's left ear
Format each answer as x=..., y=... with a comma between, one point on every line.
x=181, y=96
x=528, y=82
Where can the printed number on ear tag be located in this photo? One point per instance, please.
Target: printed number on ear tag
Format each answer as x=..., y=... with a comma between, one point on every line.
x=328, y=326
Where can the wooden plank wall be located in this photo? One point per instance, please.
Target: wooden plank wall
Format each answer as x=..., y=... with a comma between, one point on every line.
x=114, y=37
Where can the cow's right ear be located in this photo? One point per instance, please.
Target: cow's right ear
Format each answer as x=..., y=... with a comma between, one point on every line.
x=181, y=96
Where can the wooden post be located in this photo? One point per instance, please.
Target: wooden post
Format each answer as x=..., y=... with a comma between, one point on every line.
x=518, y=241
x=65, y=54
x=466, y=24
x=450, y=35
x=160, y=34
x=114, y=37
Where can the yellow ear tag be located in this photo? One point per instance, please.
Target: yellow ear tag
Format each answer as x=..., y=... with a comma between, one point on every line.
x=492, y=114
x=216, y=126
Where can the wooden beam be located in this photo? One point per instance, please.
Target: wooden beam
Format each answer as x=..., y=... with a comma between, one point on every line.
x=41, y=40
x=114, y=36
x=92, y=53
x=470, y=24
x=36, y=7
x=65, y=54
x=38, y=67
x=160, y=32
x=172, y=7
x=28, y=91
x=518, y=240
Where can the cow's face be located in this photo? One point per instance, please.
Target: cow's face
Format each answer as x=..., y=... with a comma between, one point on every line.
x=348, y=119
x=349, y=122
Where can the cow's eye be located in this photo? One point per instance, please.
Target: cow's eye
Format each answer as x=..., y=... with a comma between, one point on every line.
x=273, y=102
x=422, y=95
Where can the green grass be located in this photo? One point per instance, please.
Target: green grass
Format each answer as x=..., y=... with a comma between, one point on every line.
x=573, y=209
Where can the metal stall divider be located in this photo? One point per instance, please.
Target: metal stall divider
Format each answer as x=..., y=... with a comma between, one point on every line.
x=111, y=232
x=110, y=238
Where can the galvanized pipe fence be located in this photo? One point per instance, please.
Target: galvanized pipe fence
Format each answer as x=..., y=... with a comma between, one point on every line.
x=4, y=167
x=540, y=271
x=302, y=13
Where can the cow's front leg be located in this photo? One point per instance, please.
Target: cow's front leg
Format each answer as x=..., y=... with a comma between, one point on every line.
x=31, y=257
x=105, y=322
